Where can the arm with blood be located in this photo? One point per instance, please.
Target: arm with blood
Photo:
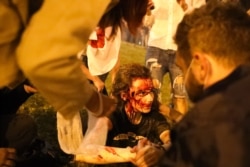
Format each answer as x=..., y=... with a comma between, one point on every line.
x=92, y=150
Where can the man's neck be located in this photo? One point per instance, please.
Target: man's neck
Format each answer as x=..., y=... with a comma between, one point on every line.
x=217, y=72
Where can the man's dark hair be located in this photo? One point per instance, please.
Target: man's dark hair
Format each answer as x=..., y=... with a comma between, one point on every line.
x=132, y=11
x=220, y=29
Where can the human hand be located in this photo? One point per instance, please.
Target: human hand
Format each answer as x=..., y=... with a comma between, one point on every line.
x=7, y=157
x=101, y=105
x=171, y=113
x=147, y=153
x=98, y=83
x=29, y=89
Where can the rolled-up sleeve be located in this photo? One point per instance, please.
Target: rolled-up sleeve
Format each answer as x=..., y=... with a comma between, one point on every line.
x=48, y=48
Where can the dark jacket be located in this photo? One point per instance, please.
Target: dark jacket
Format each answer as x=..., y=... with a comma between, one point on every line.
x=216, y=133
x=12, y=99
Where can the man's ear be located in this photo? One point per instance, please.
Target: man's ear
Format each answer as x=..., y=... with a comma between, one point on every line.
x=124, y=96
x=203, y=65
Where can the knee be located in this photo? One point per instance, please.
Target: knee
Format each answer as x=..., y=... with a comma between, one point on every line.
x=21, y=131
x=179, y=87
x=152, y=63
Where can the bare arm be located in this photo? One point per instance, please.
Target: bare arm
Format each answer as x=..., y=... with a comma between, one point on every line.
x=97, y=154
x=49, y=61
x=93, y=150
x=115, y=69
x=95, y=79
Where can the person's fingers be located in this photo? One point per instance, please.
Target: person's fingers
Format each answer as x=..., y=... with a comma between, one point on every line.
x=3, y=155
x=143, y=157
x=8, y=163
x=134, y=149
x=142, y=143
x=11, y=154
x=7, y=157
x=30, y=89
x=147, y=155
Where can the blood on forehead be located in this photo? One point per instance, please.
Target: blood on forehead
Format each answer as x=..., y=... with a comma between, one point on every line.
x=141, y=84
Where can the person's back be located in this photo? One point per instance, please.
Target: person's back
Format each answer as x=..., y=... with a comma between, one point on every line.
x=166, y=14
x=215, y=132
x=218, y=127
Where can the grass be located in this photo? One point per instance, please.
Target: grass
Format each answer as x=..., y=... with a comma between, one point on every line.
x=44, y=114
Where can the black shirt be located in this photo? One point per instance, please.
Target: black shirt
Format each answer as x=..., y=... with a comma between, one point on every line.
x=216, y=132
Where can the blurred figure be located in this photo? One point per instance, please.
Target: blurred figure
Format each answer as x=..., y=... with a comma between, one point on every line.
x=137, y=116
x=39, y=40
x=18, y=131
x=213, y=52
x=160, y=54
x=102, y=53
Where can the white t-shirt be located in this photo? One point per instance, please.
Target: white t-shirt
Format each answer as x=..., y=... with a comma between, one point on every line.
x=102, y=60
x=167, y=15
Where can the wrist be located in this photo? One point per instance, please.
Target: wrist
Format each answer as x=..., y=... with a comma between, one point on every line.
x=95, y=104
x=160, y=147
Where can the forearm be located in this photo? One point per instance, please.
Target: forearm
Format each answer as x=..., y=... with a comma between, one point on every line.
x=97, y=154
x=94, y=79
x=115, y=69
x=47, y=53
x=86, y=72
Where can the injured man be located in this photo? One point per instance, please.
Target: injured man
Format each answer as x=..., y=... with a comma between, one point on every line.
x=116, y=138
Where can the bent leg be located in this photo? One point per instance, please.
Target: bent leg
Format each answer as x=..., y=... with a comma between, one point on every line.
x=21, y=131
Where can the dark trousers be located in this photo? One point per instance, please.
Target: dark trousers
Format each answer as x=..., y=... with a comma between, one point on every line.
x=17, y=131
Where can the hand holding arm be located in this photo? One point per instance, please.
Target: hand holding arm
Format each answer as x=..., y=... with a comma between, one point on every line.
x=147, y=153
x=7, y=157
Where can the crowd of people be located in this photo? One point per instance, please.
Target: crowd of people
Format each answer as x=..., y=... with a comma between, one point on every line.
x=208, y=45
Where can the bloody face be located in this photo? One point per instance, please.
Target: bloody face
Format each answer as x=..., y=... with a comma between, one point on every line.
x=141, y=95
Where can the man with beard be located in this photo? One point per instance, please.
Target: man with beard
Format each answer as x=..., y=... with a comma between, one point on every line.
x=213, y=52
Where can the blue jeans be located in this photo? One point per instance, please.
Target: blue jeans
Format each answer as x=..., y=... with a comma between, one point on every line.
x=161, y=62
